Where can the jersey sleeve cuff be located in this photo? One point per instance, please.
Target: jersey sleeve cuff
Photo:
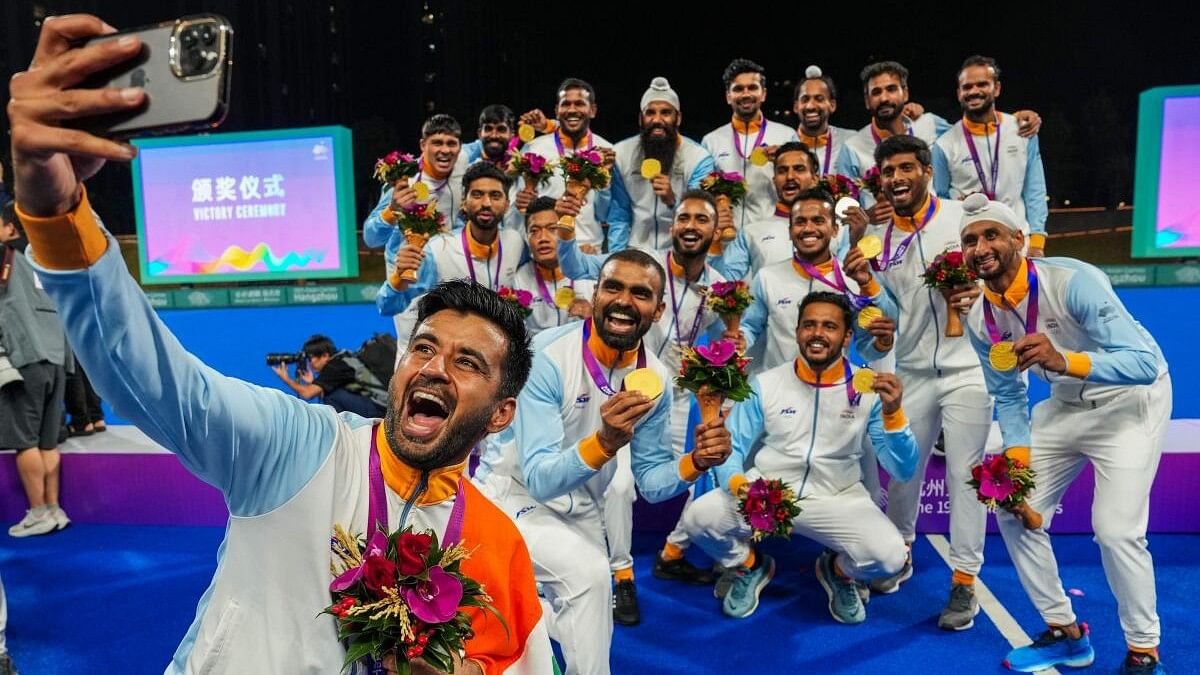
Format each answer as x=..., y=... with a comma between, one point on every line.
x=1078, y=364
x=895, y=421
x=592, y=453
x=736, y=482
x=389, y=216
x=1037, y=241
x=1019, y=453
x=71, y=241
x=872, y=288
x=688, y=470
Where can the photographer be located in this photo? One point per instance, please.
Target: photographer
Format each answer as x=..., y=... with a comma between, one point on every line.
x=330, y=377
x=33, y=357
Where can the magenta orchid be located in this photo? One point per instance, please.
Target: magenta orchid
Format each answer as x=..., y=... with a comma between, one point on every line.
x=718, y=353
x=436, y=600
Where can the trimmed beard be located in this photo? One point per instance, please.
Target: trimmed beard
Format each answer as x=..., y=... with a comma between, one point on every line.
x=451, y=447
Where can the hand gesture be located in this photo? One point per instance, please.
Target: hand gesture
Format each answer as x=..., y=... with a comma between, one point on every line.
x=1036, y=349
x=890, y=391
x=713, y=445
x=618, y=415
x=661, y=185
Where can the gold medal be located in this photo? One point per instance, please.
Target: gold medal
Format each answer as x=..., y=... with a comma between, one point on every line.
x=563, y=297
x=868, y=314
x=645, y=381
x=422, y=191
x=759, y=157
x=526, y=133
x=651, y=168
x=870, y=246
x=863, y=381
x=1002, y=357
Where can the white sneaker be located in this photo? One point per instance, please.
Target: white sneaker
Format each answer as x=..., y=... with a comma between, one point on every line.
x=36, y=521
x=60, y=517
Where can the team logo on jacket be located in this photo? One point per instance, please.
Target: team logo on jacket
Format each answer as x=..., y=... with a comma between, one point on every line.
x=787, y=412
x=783, y=302
x=1051, y=324
x=582, y=400
x=848, y=414
x=1012, y=150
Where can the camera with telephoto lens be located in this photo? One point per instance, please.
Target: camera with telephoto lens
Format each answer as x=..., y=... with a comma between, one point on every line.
x=300, y=358
x=8, y=374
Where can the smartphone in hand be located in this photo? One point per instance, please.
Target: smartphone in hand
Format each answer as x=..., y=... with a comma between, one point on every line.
x=184, y=68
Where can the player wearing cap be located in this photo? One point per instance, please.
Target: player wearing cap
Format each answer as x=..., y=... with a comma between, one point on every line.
x=652, y=170
x=1109, y=405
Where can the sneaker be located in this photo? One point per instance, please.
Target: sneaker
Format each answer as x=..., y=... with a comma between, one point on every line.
x=625, y=604
x=845, y=604
x=1052, y=648
x=682, y=570
x=961, y=608
x=60, y=517
x=742, y=598
x=36, y=521
x=889, y=585
x=1137, y=663
x=6, y=665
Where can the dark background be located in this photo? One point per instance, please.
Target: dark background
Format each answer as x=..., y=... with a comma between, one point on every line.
x=380, y=68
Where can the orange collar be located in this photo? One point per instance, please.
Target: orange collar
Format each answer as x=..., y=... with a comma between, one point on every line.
x=1016, y=291
x=783, y=210
x=883, y=133
x=549, y=275
x=825, y=267
x=831, y=375
x=985, y=129
x=607, y=355
x=567, y=142
x=909, y=223
x=403, y=479
x=747, y=129
x=814, y=141
x=480, y=251
x=427, y=168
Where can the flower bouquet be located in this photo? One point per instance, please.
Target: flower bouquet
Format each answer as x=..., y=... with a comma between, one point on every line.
x=1004, y=482
x=839, y=186
x=714, y=373
x=582, y=171
x=948, y=274
x=769, y=507
x=403, y=594
x=419, y=221
x=519, y=299
x=535, y=169
x=872, y=182
x=396, y=166
x=729, y=189
x=729, y=299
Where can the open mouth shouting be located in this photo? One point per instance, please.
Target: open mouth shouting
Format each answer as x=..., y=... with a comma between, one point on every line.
x=789, y=191
x=901, y=192
x=573, y=121
x=690, y=239
x=812, y=118
x=444, y=161
x=621, y=321
x=425, y=413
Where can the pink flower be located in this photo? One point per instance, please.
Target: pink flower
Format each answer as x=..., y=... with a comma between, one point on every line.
x=758, y=489
x=524, y=297
x=762, y=520
x=434, y=601
x=723, y=288
x=590, y=156
x=392, y=157
x=514, y=143
x=717, y=353
x=376, y=546
x=536, y=162
x=994, y=481
x=731, y=176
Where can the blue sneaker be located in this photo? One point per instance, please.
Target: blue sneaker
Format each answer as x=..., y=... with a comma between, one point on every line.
x=1137, y=663
x=742, y=598
x=1053, y=648
x=845, y=603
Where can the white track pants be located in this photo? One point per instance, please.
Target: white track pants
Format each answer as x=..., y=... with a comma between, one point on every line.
x=960, y=404
x=618, y=513
x=1123, y=441
x=848, y=522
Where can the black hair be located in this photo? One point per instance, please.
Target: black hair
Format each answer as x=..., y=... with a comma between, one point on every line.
x=484, y=169
x=814, y=164
x=900, y=144
x=574, y=83
x=818, y=194
x=319, y=345
x=823, y=78
x=496, y=114
x=638, y=257
x=739, y=66
x=467, y=296
x=539, y=205
x=441, y=124
x=881, y=68
x=697, y=193
x=836, y=299
x=977, y=60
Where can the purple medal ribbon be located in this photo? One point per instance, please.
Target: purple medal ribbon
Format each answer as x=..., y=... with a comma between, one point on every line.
x=1031, y=311
x=545, y=292
x=676, y=306
x=471, y=263
x=737, y=142
x=593, y=366
x=888, y=258
x=377, y=506
x=828, y=150
x=838, y=284
x=562, y=151
x=990, y=192
x=852, y=396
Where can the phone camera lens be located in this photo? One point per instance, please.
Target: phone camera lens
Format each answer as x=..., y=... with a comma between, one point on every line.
x=189, y=37
x=208, y=34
